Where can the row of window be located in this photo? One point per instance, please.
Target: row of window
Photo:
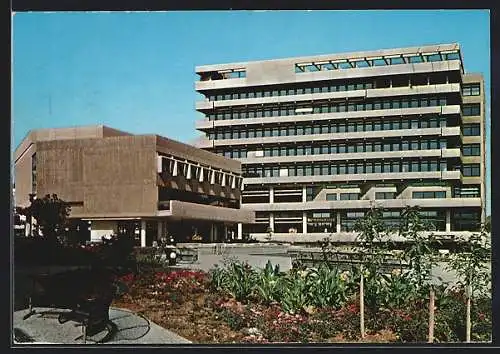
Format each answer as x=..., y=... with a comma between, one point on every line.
x=341, y=148
x=325, y=221
x=383, y=61
x=323, y=88
x=385, y=195
x=343, y=196
x=471, y=89
x=429, y=195
x=273, y=110
x=223, y=74
x=469, y=191
x=330, y=86
x=340, y=126
x=473, y=109
x=342, y=168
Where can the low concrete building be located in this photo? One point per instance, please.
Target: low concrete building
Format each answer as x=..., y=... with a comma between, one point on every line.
x=146, y=186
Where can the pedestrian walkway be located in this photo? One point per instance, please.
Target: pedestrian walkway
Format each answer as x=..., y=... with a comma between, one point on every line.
x=125, y=327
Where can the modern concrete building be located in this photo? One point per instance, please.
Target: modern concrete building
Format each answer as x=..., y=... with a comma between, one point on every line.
x=324, y=138
x=146, y=186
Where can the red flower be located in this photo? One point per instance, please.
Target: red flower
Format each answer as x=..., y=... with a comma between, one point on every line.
x=481, y=317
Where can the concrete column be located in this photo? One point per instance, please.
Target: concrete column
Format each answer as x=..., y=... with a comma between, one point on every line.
x=213, y=233
x=271, y=221
x=304, y=194
x=160, y=230
x=143, y=233
x=240, y=231
x=448, y=220
x=338, y=222
x=304, y=222
x=224, y=235
x=27, y=226
x=271, y=194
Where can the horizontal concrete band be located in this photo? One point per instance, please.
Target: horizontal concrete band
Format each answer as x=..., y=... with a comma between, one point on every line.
x=366, y=93
x=179, y=210
x=348, y=236
x=319, y=117
x=366, y=204
x=444, y=175
x=444, y=153
x=191, y=211
x=443, y=131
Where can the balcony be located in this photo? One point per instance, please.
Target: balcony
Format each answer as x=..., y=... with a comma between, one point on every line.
x=367, y=93
x=366, y=204
x=347, y=177
x=444, y=131
x=205, y=124
x=446, y=153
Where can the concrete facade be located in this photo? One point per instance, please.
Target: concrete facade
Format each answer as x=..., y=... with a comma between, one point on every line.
x=145, y=185
x=323, y=138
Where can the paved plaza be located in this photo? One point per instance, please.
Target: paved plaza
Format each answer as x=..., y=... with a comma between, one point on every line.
x=125, y=328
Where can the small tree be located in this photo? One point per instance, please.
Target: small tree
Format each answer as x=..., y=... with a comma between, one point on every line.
x=471, y=266
x=421, y=249
x=51, y=214
x=371, y=234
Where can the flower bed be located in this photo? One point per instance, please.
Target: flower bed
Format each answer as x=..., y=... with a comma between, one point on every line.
x=242, y=305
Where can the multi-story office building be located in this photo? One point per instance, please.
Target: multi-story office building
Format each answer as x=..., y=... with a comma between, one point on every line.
x=145, y=186
x=324, y=138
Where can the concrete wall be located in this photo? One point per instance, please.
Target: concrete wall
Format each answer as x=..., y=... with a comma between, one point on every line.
x=477, y=78
x=23, y=178
x=110, y=176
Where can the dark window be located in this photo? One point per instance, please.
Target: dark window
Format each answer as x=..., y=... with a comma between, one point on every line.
x=472, y=129
x=429, y=195
x=472, y=170
x=471, y=89
x=471, y=109
x=384, y=195
x=466, y=220
x=395, y=61
x=434, y=57
x=415, y=59
x=471, y=150
x=331, y=196
x=349, y=196
x=452, y=56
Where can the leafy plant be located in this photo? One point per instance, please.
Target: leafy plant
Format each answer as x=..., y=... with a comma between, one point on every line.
x=327, y=287
x=51, y=214
x=295, y=295
x=239, y=280
x=471, y=267
x=268, y=284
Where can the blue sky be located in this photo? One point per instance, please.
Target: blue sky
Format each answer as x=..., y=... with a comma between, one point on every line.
x=135, y=71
